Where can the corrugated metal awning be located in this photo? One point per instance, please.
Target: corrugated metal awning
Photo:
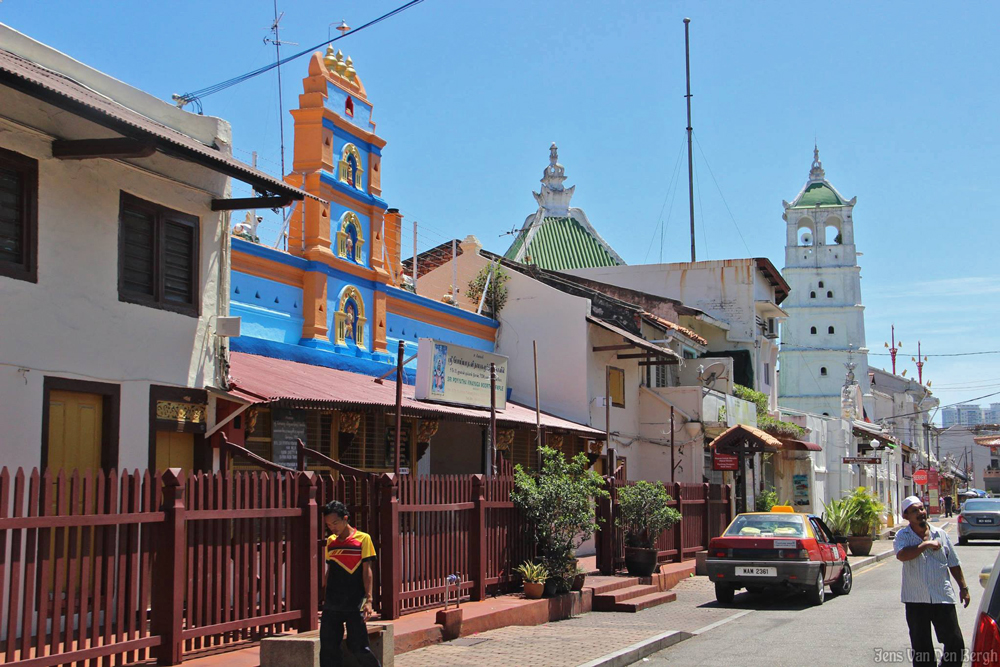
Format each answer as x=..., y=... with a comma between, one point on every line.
x=291, y=384
x=66, y=93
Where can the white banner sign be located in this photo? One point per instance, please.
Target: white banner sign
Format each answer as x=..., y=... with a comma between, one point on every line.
x=454, y=374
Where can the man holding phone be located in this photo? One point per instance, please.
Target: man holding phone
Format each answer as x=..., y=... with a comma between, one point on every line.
x=349, y=557
x=928, y=557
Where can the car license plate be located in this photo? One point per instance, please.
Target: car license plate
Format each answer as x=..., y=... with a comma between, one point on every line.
x=984, y=520
x=756, y=571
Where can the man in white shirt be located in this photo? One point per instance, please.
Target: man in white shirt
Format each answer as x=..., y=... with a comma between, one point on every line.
x=928, y=557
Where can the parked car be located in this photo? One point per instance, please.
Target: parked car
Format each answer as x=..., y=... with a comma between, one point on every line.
x=782, y=548
x=986, y=634
x=979, y=519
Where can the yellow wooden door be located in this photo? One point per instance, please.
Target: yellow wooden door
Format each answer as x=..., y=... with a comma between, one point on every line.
x=174, y=450
x=75, y=431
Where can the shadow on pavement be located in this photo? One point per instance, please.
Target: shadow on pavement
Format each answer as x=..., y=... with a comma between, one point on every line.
x=777, y=600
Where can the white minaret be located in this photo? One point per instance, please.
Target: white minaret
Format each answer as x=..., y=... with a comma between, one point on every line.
x=826, y=321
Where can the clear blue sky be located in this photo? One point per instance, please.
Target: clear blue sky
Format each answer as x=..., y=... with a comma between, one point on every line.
x=902, y=98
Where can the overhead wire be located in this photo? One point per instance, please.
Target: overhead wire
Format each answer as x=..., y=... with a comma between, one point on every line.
x=661, y=225
x=719, y=188
x=197, y=95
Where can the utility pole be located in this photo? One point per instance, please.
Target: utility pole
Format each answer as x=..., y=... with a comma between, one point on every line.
x=687, y=71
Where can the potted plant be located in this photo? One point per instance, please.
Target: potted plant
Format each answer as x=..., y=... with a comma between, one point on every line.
x=534, y=576
x=579, y=579
x=643, y=514
x=866, y=514
x=837, y=515
x=558, y=503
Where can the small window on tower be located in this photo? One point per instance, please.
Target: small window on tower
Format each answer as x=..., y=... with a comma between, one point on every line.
x=821, y=284
x=829, y=330
x=822, y=371
x=829, y=294
x=812, y=295
x=812, y=330
x=349, y=107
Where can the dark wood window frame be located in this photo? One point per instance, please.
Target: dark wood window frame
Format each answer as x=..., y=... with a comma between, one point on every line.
x=27, y=168
x=110, y=420
x=202, y=454
x=161, y=217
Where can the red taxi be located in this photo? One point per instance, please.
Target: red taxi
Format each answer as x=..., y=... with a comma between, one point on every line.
x=780, y=548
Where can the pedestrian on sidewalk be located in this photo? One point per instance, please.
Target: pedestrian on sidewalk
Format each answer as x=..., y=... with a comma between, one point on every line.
x=928, y=556
x=349, y=557
x=947, y=505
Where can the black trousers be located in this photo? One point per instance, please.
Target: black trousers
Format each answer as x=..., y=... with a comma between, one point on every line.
x=944, y=618
x=331, y=636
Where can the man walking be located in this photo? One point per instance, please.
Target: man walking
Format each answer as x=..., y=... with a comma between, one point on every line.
x=349, y=557
x=947, y=505
x=928, y=556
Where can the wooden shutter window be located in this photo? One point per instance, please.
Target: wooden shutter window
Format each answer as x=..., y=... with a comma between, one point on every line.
x=158, y=257
x=617, y=388
x=18, y=215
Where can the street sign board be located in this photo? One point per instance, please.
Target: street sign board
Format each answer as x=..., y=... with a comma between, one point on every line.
x=722, y=461
x=862, y=459
x=920, y=476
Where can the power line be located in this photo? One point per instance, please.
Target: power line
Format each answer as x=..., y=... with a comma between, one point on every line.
x=950, y=405
x=953, y=354
x=197, y=95
x=719, y=188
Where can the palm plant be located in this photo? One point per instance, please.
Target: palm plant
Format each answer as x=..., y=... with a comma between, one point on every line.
x=866, y=511
x=837, y=514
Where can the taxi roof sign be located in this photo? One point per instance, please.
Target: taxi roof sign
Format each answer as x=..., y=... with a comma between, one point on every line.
x=787, y=509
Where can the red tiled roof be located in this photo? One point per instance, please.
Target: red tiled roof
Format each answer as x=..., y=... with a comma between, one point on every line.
x=676, y=327
x=988, y=440
x=263, y=380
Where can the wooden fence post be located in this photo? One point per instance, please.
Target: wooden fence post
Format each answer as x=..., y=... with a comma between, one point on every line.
x=706, y=493
x=679, y=526
x=390, y=566
x=168, y=572
x=477, y=540
x=306, y=541
x=605, y=541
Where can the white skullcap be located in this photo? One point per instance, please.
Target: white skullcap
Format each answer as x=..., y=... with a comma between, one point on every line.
x=908, y=501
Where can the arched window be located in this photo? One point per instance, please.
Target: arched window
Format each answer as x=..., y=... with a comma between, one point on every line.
x=812, y=330
x=829, y=294
x=350, y=166
x=826, y=414
x=821, y=284
x=829, y=330
x=350, y=238
x=822, y=371
x=812, y=295
x=349, y=320
x=349, y=107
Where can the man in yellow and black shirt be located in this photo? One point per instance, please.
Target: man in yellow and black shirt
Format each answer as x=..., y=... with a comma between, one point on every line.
x=349, y=557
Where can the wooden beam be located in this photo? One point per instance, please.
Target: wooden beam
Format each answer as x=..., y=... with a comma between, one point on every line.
x=659, y=362
x=642, y=355
x=611, y=348
x=249, y=203
x=87, y=149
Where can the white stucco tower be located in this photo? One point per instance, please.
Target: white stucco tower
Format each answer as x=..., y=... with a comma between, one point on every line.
x=826, y=320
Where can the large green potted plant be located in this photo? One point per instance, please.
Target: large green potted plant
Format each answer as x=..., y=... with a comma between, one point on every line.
x=866, y=514
x=837, y=515
x=558, y=503
x=643, y=513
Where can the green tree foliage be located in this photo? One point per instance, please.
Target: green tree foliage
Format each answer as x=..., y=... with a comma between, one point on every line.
x=558, y=503
x=496, y=296
x=766, y=422
x=643, y=513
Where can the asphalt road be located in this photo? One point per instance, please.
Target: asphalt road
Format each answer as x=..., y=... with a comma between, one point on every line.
x=866, y=627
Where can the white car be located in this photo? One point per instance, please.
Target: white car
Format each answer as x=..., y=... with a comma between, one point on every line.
x=986, y=636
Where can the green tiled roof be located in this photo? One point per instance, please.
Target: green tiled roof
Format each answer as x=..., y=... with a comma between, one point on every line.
x=818, y=194
x=559, y=244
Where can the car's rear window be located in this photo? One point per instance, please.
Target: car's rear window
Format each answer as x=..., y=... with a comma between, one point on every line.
x=983, y=505
x=767, y=525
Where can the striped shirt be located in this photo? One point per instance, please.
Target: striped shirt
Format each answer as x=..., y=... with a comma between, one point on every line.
x=926, y=578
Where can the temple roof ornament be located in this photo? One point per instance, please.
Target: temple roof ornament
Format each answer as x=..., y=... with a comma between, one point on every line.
x=816, y=173
x=554, y=198
x=817, y=192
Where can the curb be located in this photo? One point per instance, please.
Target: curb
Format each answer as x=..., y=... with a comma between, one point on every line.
x=865, y=563
x=637, y=652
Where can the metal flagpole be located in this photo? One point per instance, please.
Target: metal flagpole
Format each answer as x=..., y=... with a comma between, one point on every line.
x=399, y=404
x=687, y=71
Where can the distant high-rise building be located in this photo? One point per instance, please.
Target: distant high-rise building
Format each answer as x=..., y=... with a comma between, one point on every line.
x=949, y=417
x=969, y=415
x=991, y=415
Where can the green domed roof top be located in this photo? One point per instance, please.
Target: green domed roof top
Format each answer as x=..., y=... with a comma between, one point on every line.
x=818, y=194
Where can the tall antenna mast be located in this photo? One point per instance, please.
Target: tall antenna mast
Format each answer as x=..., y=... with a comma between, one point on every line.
x=277, y=52
x=687, y=71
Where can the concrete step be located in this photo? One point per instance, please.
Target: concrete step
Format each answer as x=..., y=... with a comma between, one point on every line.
x=609, y=600
x=645, y=601
x=607, y=584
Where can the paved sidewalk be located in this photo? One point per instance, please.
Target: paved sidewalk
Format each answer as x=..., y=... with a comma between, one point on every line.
x=577, y=640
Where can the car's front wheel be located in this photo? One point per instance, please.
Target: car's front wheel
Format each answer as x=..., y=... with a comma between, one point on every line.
x=817, y=593
x=843, y=584
x=724, y=592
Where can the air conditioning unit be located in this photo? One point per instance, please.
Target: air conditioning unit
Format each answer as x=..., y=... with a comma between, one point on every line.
x=771, y=328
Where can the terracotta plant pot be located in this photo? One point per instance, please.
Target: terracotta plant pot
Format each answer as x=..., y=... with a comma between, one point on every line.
x=640, y=562
x=861, y=545
x=578, y=581
x=534, y=591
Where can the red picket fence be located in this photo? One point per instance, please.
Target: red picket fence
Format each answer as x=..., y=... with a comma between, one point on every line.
x=705, y=511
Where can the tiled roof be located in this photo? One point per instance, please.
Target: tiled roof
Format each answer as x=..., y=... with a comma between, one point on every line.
x=431, y=259
x=263, y=380
x=558, y=244
x=676, y=327
x=817, y=194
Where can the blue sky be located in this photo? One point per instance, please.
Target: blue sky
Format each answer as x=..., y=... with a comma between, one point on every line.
x=901, y=97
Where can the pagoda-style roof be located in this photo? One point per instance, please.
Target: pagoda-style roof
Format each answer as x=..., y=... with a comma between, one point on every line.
x=817, y=191
x=558, y=244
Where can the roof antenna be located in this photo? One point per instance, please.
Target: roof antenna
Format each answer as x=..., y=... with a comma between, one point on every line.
x=277, y=52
